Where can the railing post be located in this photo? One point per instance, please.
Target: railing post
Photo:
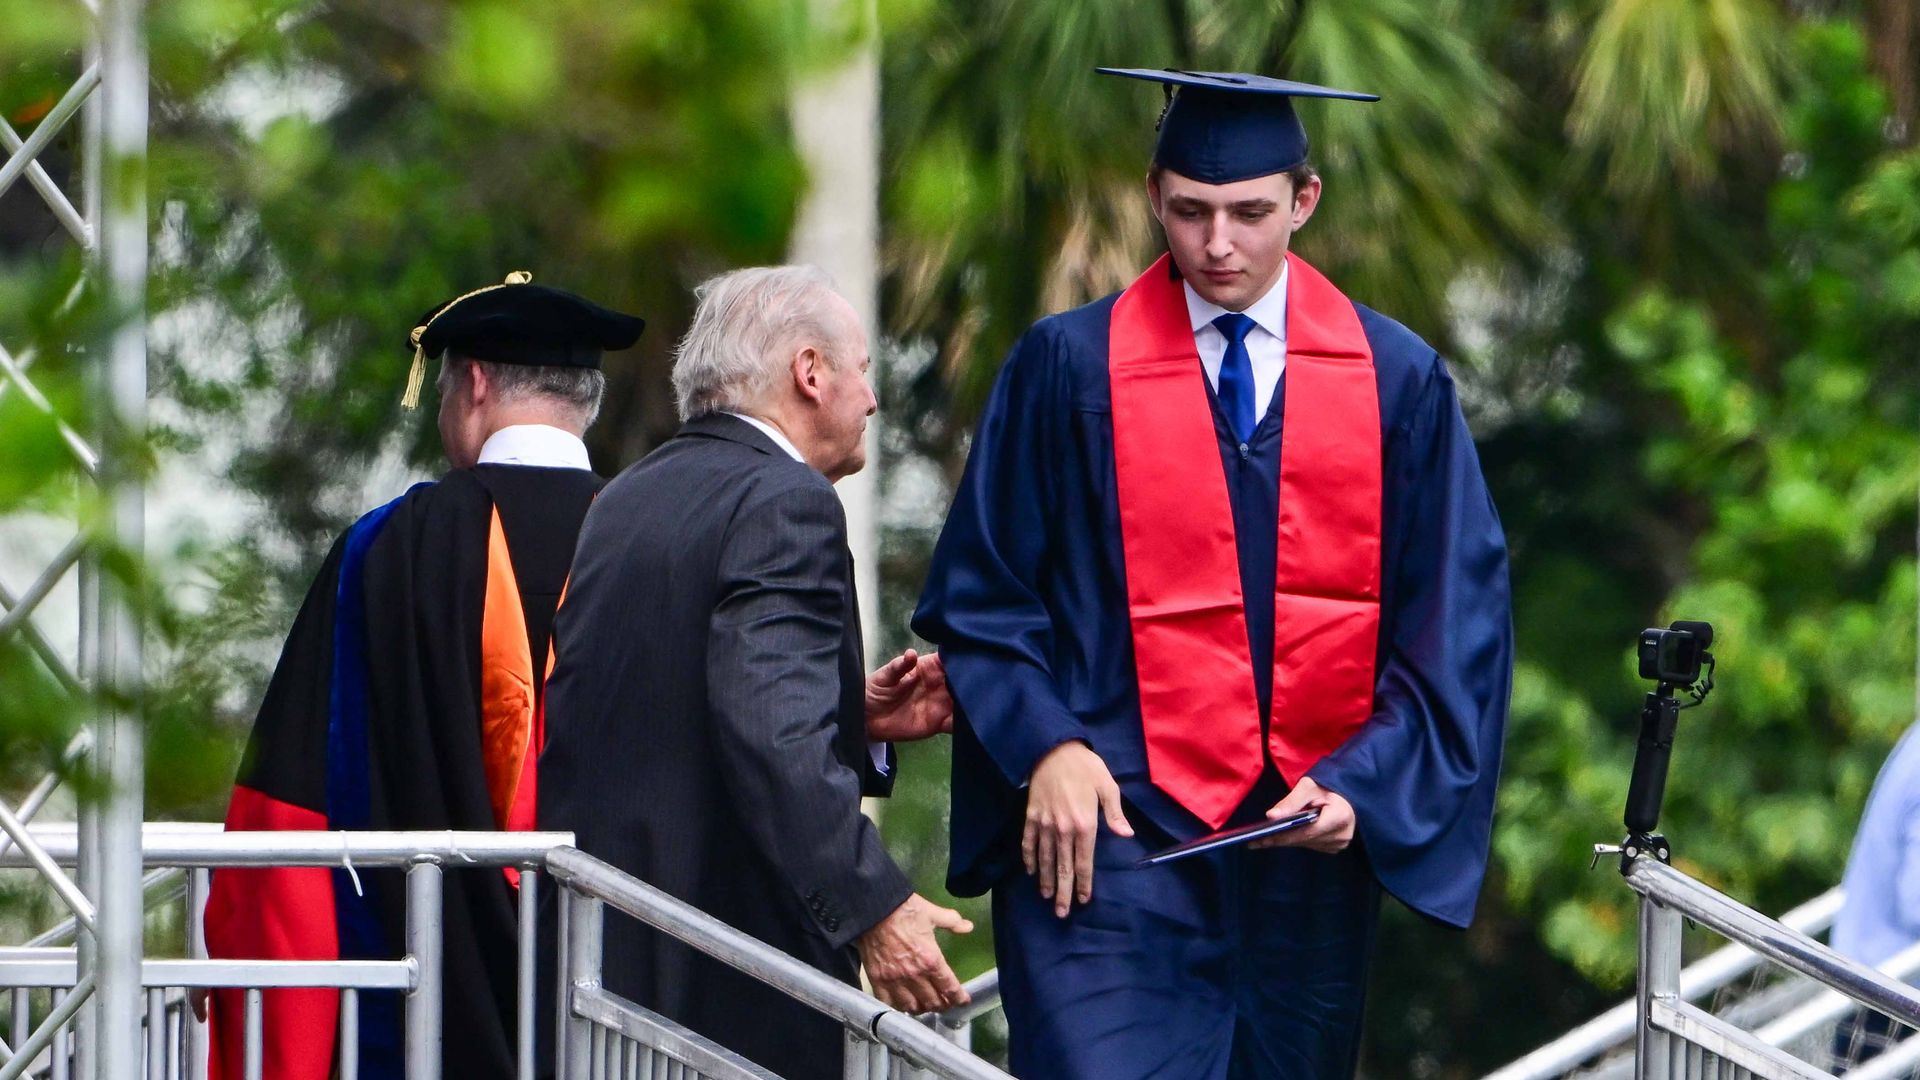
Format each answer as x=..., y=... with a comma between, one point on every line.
x=960, y=1035
x=424, y=946
x=867, y=1058
x=199, y=884
x=853, y=1057
x=524, y=990
x=1659, y=978
x=585, y=917
x=562, y=978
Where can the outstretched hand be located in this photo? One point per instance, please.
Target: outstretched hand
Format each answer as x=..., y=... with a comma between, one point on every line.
x=907, y=699
x=904, y=962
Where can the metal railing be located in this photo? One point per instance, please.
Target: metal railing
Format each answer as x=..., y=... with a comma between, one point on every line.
x=1676, y=1040
x=174, y=1045
x=603, y=1035
x=956, y=1024
x=1699, y=980
x=600, y=1033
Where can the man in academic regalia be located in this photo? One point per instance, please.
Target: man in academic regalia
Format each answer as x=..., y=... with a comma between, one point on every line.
x=1222, y=551
x=409, y=694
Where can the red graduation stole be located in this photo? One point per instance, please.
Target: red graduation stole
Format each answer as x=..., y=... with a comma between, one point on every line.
x=1197, y=700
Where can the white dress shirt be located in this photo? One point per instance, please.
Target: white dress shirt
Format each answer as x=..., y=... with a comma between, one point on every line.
x=779, y=437
x=535, y=444
x=876, y=751
x=1266, y=342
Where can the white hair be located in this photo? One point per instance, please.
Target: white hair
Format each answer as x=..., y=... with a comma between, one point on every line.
x=745, y=331
x=576, y=391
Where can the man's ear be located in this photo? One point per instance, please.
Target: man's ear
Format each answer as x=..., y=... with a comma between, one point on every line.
x=809, y=372
x=479, y=387
x=1305, y=201
x=1154, y=198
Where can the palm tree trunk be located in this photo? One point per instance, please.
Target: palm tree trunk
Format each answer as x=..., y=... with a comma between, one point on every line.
x=836, y=127
x=1894, y=33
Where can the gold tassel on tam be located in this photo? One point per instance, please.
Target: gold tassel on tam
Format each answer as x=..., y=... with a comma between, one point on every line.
x=417, y=374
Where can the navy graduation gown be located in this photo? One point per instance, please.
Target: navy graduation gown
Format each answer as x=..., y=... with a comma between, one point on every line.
x=1026, y=599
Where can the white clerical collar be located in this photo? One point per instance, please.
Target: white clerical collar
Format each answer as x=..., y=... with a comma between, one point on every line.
x=1269, y=312
x=535, y=444
x=773, y=433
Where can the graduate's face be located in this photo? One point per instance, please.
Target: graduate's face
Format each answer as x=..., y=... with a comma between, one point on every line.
x=1230, y=240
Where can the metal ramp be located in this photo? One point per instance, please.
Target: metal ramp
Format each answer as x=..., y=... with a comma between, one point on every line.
x=1772, y=1003
x=601, y=1034
x=1740, y=986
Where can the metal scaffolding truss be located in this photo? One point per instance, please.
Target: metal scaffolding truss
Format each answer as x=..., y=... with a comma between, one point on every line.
x=108, y=221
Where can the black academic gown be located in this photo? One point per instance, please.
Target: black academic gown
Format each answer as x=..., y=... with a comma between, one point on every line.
x=707, y=733
x=372, y=721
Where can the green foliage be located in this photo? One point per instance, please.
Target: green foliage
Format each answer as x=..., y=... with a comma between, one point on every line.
x=1785, y=452
x=338, y=169
x=319, y=175
x=1663, y=88
x=1015, y=177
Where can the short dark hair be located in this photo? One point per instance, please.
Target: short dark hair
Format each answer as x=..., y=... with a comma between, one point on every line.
x=578, y=388
x=1298, y=175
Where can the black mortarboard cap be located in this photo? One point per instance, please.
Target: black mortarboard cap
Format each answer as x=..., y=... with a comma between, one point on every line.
x=1220, y=126
x=518, y=322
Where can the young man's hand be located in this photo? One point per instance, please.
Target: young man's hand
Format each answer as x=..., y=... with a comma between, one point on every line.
x=1330, y=833
x=1071, y=789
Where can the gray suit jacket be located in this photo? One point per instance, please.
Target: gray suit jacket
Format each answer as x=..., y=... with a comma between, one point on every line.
x=706, y=727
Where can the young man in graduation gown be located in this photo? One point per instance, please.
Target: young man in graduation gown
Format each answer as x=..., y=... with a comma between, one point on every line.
x=410, y=693
x=1222, y=551
x=713, y=727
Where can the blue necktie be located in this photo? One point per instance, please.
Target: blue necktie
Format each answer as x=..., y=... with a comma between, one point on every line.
x=1236, y=374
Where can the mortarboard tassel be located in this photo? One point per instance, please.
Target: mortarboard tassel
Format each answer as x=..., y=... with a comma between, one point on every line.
x=417, y=374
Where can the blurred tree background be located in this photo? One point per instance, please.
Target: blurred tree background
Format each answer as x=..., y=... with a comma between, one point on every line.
x=1671, y=248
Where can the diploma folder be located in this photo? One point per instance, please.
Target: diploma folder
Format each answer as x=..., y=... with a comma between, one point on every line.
x=1229, y=837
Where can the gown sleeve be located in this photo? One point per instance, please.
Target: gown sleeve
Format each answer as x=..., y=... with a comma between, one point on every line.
x=983, y=604
x=1421, y=771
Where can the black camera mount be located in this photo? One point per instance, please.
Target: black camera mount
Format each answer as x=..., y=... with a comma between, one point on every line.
x=1677, y=659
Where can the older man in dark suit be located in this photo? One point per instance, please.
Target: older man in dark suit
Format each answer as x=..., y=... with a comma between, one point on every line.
x=710, y=729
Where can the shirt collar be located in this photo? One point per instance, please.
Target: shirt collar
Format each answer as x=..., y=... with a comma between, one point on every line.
x=535, y=444
x=773, y=433
x=1269, y=312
